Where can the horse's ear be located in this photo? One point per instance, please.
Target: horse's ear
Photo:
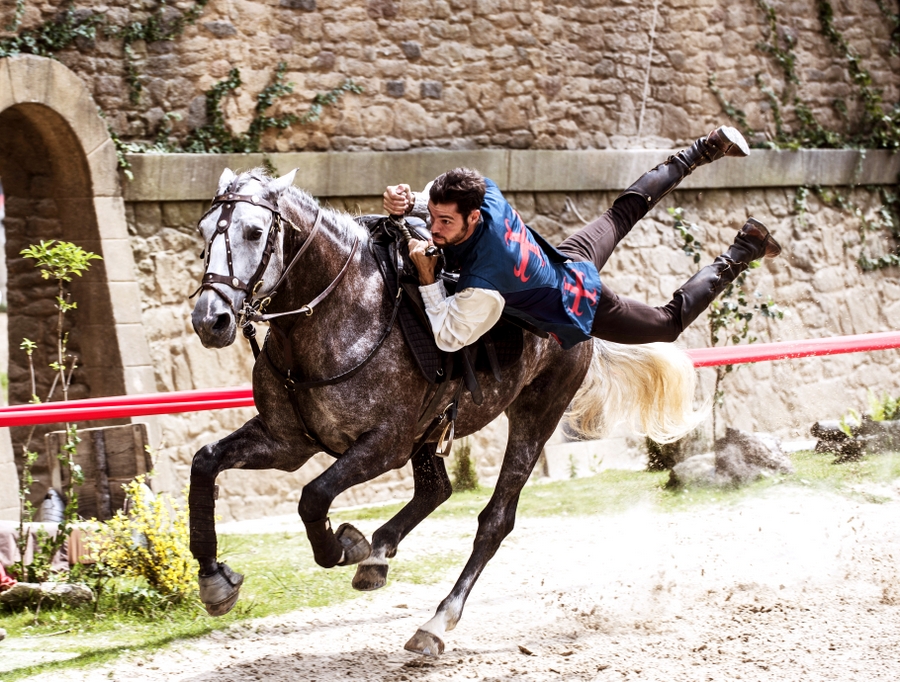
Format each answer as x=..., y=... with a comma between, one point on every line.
x=279, y=185
x=225, y=180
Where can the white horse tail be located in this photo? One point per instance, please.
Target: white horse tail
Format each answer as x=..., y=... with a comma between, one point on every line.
x=650, y=387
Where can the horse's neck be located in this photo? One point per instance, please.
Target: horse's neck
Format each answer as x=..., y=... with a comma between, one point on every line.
x=330, y=251
x=345, y=326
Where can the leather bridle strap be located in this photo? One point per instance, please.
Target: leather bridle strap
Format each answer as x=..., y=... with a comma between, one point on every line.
x=310, y=307
x=303, y=247
x=227, y=202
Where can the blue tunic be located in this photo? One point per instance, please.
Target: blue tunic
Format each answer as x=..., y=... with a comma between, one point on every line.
x=537, y=282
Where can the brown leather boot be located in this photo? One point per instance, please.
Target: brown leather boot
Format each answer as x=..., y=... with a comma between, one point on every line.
x=658, y=182
x=753, y=241
x=755, y=234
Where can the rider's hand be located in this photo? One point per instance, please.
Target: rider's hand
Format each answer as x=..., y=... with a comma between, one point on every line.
x=398, y=199
x=424, y=264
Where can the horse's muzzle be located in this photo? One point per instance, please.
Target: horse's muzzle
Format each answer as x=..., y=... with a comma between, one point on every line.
x=216, y=328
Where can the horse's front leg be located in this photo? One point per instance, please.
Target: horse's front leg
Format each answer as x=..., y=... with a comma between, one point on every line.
x=373, y=454
x=432, y=488
x=250, y=447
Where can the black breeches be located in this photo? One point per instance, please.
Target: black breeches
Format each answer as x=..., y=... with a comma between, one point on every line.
x=619, y=319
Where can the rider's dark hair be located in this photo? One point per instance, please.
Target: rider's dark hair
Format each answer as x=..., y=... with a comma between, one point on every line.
x=461, y=186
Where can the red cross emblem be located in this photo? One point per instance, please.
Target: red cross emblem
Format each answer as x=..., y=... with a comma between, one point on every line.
x=526, y=248
x=579, y=291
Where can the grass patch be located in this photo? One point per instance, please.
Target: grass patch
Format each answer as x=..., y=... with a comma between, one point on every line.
x=614, y=491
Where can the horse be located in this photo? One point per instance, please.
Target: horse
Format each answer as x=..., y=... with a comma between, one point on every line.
x=336, y=375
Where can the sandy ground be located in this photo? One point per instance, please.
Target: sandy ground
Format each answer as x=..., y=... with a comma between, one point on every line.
x=790, y=586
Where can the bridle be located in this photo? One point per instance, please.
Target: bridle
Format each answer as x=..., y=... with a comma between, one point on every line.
x=254, y=305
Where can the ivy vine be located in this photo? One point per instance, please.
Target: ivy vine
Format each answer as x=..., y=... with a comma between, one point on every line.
x=46, y=40
x=877, y=127
x=214, y=136
x=165, y=24
x=51, y=36
x=17, y=17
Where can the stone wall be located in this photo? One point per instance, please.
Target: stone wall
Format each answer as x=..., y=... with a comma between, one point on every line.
x=459, y=74
x=496, y=76
x=817, y=280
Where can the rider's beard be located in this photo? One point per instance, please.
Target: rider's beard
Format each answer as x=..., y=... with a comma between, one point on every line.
x=457, y=238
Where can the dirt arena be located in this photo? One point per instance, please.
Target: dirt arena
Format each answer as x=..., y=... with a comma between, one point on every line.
x=792, y=585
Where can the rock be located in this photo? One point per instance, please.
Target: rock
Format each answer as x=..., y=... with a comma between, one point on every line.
x=869, y=437
x=696, y=470
x=738, y=458
x=69, y=594
x=744, y=457
x=2, y=634
x=411, y=49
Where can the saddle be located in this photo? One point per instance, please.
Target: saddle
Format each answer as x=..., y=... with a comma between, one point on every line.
x=499, y=349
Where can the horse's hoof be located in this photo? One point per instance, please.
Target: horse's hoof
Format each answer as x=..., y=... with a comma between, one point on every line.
x=370, y=577
x=425, y=643
x=356, y=547
x=219, y=591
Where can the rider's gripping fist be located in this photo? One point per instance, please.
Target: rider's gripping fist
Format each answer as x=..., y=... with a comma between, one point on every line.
x=398, y=199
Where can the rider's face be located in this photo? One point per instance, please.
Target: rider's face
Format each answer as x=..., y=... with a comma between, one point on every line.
x=448, y=226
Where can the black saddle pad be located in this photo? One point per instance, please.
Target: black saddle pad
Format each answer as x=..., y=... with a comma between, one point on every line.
x=391, y=252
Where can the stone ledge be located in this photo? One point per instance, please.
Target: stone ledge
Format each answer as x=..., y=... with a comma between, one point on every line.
x=192, y=177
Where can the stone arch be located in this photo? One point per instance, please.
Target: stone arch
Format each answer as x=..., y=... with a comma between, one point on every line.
x=60, y=177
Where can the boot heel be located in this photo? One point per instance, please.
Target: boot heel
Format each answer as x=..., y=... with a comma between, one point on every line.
x=727, y=141
x=755, y=230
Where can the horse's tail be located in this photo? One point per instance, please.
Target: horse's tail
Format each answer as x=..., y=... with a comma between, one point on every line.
x=650, y=387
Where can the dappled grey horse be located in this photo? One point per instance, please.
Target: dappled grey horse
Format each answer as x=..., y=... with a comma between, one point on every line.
x=335, y=375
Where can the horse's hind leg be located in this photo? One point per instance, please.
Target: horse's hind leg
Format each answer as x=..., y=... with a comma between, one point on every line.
x=432, y=488
x=495, y=522
x=250, y=447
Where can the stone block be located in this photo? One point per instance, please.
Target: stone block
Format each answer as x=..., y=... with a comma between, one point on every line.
x=395, y=89
x=133, y=344
x=7, y=97
x=125, y=299
x=432, y=89
x=103, y=162
x=411, y=49
x=140, y=379
x=109, y=215
x=118, y=260
x=220, y=29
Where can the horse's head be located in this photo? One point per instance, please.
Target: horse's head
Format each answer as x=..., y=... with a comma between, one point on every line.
x=243, y=248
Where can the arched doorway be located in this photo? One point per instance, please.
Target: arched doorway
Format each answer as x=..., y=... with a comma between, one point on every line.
x=59, y=173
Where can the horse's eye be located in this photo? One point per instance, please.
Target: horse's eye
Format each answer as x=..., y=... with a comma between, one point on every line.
x=254, y=235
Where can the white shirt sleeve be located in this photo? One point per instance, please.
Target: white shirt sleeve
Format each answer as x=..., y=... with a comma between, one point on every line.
x=463, y=318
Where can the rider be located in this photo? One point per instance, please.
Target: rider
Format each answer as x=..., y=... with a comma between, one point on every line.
x=505, y=266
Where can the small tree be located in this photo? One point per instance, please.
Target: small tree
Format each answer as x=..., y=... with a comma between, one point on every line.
x=59, y=261
x=464, y=475
x=731, y=314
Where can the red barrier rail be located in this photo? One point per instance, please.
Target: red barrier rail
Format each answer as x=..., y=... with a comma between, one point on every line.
x=217, y=399
x=783, y=350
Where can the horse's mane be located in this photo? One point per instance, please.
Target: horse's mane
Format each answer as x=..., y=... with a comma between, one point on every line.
x=300, y=207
